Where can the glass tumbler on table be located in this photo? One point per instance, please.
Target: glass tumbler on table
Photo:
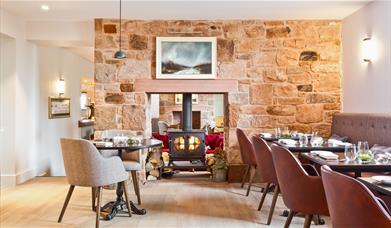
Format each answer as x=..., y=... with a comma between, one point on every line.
x=277, y=133
x=350, y=152
x=303, y=140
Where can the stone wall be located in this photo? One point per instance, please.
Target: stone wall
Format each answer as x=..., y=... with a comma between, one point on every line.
x=288, y=72
x=205, y=106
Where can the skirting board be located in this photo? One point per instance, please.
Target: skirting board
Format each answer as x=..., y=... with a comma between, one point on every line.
x=10, y=180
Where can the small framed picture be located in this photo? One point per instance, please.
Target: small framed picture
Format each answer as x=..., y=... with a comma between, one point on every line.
x=59, y=107
x=186, y=57
x=179, y=98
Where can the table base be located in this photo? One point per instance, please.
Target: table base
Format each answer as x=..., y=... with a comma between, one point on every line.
x=111, y=209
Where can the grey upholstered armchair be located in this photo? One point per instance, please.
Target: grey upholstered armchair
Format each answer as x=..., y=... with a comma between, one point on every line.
x=86, y=167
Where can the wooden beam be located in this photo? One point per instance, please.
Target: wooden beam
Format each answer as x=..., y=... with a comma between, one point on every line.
x=185, y=86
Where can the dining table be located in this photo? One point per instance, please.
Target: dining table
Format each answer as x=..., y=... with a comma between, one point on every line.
x=111, y=209
x=344, y=166
x=372, y=184
x=296, y=148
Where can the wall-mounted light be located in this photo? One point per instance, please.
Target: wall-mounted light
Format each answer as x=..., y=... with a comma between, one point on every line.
x=45, y=7
x=368, y=50
x=61, y=87
x=83, y=100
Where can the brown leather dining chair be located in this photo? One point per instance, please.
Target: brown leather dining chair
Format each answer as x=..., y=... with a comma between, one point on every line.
x=301, y=192
x=351, y=203
x=248, y=158
x=263, y=157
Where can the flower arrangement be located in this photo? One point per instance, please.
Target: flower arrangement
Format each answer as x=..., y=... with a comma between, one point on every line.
x=218, y=164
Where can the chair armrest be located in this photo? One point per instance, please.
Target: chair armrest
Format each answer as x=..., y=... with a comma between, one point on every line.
x=111, y=171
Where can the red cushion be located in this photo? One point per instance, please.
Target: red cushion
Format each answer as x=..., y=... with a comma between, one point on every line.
x=211, y=140
x=163, y=138
x=209, y=151
x=214, y=141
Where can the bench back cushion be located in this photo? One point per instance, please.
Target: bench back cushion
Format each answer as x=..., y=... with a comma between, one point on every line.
x=374, y=128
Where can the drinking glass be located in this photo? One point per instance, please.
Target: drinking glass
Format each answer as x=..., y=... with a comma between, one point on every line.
x=285, y=132
x=277, y=132
x=105, y=135
x=350, y=152
x=303, y=140
x=362, y=147
x=363, y=152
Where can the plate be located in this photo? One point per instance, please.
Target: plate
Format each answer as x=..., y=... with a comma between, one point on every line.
x=382, y=179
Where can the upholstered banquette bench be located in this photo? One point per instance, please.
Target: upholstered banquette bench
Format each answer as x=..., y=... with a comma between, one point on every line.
x=374, y=128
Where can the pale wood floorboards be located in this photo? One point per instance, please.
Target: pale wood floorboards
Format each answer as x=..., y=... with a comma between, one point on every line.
x=178, y=202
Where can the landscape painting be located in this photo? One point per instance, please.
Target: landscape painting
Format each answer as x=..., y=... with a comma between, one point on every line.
x=186, y=58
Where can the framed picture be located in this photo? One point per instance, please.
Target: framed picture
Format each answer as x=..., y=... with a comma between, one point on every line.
x=179, y=97
x=59, y=107
x=186, y=57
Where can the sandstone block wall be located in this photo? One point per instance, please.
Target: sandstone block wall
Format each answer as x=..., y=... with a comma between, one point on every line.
x=289, y=72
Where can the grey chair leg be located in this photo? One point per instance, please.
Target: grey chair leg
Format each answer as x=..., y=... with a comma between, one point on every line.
x=265, y=190
x=64, y=207
x=307, y=222
x=245, y=176
x=99, y=201
x=93, y=197
x=252, y=174
x=136, y=185
x=125, y=186
x=276, y=192
x=289, y=219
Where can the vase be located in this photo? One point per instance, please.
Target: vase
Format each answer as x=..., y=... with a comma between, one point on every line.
x=219, y=175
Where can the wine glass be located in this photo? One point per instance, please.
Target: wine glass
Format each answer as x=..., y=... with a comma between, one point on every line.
x=350, y=152
x=303, y=140
x=362, y=146
x=277, y=132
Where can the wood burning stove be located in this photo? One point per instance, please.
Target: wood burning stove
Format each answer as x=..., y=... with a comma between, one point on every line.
x=187, y=144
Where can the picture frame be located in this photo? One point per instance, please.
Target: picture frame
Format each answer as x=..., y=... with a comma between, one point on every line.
x=59, y=107
x=186, y=57
x=179, y=98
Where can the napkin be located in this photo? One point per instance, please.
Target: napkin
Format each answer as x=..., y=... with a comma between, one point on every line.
x=328, y=155
x=289, y=142
x=266, y=135
x=101, y=143
x=337, y=142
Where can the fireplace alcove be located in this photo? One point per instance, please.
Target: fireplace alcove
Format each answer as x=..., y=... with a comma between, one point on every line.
x=183, y=143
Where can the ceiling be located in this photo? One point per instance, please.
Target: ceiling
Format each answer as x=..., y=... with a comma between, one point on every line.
x=182, y=9
x=74, y=11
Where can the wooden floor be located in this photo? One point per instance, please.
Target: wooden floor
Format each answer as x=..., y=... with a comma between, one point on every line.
x=179, y=202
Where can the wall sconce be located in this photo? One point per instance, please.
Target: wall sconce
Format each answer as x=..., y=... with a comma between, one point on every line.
x=368, y=50
x=61, y=87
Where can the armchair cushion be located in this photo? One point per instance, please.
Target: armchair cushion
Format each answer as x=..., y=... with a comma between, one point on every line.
x=132, y=165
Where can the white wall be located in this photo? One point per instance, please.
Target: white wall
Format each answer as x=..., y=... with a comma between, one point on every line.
x=20, y=102
x=29, y=140
x=53, y=62
x=367, y=87
x=7, y=110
